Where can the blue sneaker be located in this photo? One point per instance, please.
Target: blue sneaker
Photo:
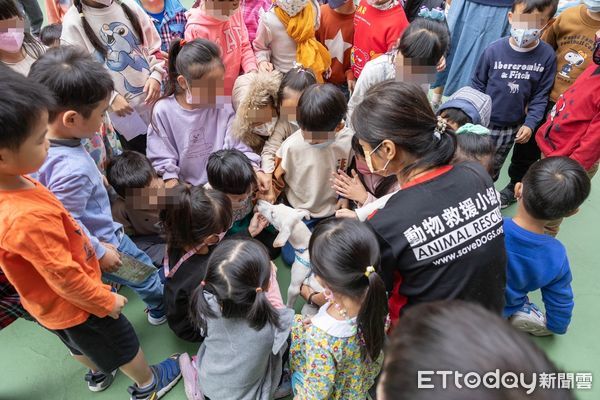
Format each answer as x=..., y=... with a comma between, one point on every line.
x=530, y=319
x=166, y=375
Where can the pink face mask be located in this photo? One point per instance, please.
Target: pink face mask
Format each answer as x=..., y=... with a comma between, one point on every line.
x=362, y=167
x=11, y=41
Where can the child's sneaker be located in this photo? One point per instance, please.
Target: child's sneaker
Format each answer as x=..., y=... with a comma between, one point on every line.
x=98, y=381
x=507, y=196
x=166, y=375
x=531, y=320
x=156, y=317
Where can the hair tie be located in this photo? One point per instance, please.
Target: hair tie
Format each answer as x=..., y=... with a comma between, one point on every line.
x=435, y=14
x=440, y=128
x=370, y=269
x=202, y=283
x=259, y=290
x=474, y=129
x=182, y=42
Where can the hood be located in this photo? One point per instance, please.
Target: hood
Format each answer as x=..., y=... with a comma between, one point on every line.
x=477, y=105
x=251, y=91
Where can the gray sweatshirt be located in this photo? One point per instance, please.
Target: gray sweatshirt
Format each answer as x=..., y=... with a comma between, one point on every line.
x=237, y=362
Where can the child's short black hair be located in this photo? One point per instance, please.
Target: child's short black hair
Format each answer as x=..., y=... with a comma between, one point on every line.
x=474, y=147
x=554, y=187
x=230, y=171
x=426, y=40
x=129, y=170
x=321, y=108
x=456, y=115
x=22, y=103
x=76, y=79
x=50, y=34
x=537, y=5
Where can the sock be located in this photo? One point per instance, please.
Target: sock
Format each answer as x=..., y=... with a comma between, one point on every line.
x=149, y=386
x=436, y=98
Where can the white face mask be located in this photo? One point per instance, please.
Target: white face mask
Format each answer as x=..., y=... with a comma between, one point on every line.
x=265, y=129
x=524, y=37
x=104, y=2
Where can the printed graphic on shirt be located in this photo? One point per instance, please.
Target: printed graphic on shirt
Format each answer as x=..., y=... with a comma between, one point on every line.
x=337, y=46
x=571, y=60
x=198, y=146
x=514, y=72
x=477, y=220
x=124, y=55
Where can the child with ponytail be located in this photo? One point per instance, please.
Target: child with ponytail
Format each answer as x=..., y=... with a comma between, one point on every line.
x=191, y=120
x=222, y=22
x=244, y=335
x=286, y=36
x=122, y=36
x=339, y=353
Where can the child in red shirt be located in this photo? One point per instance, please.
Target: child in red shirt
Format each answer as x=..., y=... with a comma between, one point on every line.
x=377, y=26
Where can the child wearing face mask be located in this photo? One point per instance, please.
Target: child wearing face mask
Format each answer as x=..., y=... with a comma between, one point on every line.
x=286, y=37
x=222, y=22
x=121, y=35
x=191, y=120
x=517, y=72
x=18, y=49
x=378, y=24
x=265, y=105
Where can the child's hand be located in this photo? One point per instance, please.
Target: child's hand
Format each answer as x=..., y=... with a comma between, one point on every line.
x=120, y=302
x=265, y=66
x=345, y=213
x=350, y=188
x=351, y=85
x=111, y=260
x=441, y=65
x=120, y=106
x=152, y=90
x=171, y=183
x=264, y=181
x=523, y=135
x=342, y=204
x=257, y=224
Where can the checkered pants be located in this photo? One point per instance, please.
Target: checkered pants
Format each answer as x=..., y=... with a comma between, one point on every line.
x=503, y=138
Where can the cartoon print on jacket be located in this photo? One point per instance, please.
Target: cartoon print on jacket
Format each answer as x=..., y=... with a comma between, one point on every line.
x=124, y=53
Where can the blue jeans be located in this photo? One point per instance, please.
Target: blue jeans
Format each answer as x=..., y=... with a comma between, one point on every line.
x=287, y=251
x=151, y=290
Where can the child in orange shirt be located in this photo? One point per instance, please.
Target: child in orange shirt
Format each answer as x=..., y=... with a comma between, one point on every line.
x=49, y=260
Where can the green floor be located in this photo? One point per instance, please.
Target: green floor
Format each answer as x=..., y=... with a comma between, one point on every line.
x=35, y=365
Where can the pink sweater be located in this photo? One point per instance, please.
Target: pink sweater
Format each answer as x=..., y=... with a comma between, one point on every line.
x=232, y=38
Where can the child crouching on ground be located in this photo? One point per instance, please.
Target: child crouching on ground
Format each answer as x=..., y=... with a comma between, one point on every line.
x=48, y=258
x=245, y=336
x=82, y=88
x=552, y=188
x=134, y=180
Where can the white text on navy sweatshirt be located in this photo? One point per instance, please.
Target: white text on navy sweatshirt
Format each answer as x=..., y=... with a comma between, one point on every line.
x=518, y=82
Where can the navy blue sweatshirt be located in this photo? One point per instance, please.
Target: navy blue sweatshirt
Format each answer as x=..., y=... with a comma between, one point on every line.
x=518, y=82
x=535, y=262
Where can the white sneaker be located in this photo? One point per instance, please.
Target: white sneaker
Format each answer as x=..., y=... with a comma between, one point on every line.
x=156, y=317
x=531, y=320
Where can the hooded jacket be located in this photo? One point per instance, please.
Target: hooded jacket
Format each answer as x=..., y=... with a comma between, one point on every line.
x=230, y=35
